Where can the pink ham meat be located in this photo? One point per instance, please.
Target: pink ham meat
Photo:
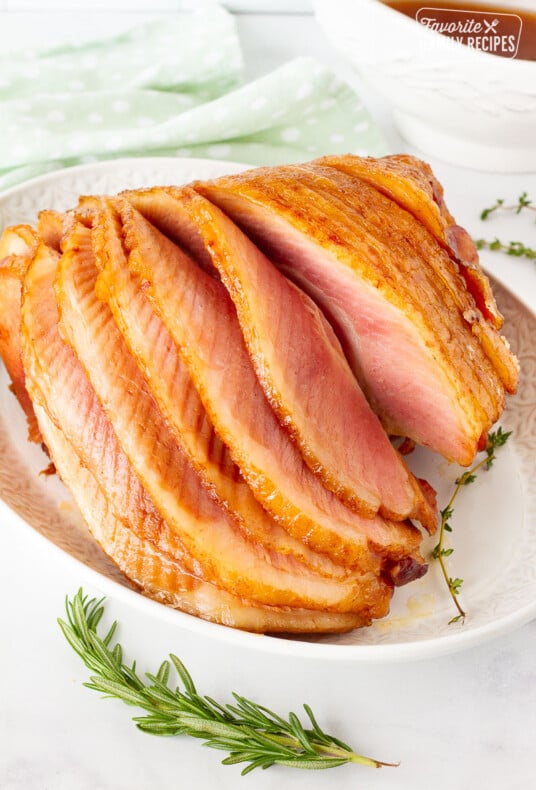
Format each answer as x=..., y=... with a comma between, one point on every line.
x=411, y=183
x=393, y=293
x=201, y=319
x=222, y=552
x=304, y=373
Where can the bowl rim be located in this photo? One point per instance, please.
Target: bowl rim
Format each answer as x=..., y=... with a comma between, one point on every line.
x=469, y=54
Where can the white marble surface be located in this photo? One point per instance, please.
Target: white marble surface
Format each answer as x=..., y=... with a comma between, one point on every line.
x=461, y=721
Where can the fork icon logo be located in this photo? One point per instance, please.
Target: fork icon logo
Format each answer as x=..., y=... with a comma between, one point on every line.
x=488, y=31
x=490, y=27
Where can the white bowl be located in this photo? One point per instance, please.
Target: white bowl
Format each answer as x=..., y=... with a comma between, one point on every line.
x=450, y=101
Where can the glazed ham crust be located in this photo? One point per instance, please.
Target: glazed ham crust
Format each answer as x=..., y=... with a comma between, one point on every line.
x=222, y=421
x=18, y=244
x=410, y=183
x=165, y=579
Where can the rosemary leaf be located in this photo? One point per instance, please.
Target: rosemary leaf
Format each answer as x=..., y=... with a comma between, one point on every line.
x=249, y=732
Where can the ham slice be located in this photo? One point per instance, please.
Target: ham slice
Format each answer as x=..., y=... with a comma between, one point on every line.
x=215, y=370
x=411, y=183
x=393, y=294
x=222, y=553
x=51, y=227
x=303, y=371
x=202, y=321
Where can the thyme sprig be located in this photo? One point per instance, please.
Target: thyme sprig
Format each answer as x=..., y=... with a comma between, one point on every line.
x=523, y=202
x=514, y=248
x=496, y=439
x=249, y=732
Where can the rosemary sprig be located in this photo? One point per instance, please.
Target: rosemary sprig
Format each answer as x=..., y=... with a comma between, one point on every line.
x=515, y=248
x=496, y=439
x=249, y=732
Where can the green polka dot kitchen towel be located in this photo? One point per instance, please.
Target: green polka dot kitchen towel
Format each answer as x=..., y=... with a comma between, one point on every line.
x=173, y=88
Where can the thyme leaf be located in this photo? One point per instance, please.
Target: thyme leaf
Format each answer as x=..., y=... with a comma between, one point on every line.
x=496, y=439
x=249, y=732
x=523, y=202
x=515, y=248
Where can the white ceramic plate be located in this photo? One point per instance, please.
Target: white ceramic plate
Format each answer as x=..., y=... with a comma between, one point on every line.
x=494, y=522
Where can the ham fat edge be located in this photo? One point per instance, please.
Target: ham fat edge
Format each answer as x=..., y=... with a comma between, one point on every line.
x=215, y=371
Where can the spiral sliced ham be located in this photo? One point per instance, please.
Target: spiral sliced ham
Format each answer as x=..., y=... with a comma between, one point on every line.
x=161, y=577
x=411, y=183
x=57, y=384
x=222, y=421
